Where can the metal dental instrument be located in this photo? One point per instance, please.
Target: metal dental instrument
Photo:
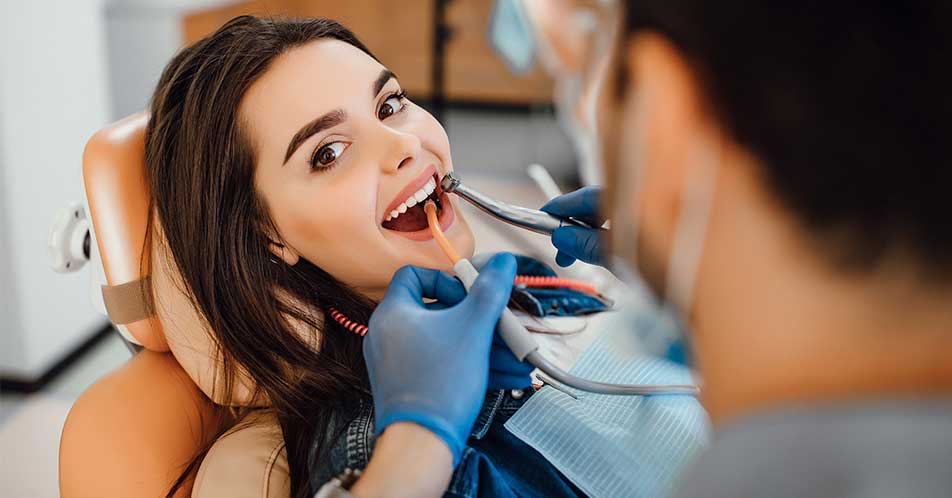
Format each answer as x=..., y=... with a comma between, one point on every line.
x=530, y=219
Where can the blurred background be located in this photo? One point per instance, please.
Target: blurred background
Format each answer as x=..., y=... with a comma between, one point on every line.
x=69, y=67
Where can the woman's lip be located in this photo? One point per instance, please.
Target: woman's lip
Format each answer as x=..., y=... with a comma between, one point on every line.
x=447, y=217
x=428, y=172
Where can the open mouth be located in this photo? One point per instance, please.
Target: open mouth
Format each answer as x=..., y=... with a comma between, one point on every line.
x=408, y=215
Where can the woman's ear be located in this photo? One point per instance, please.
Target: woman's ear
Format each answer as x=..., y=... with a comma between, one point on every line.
x=284, y=252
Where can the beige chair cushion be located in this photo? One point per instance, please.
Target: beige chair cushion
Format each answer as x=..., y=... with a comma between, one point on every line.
x=130, y=433
x=250, y=462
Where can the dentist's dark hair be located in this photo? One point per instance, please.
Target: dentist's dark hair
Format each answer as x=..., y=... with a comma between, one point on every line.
x=846, y=105
x=264, y=316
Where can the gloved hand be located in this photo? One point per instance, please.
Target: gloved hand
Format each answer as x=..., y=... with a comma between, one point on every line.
x=576, y=242
x=430, y=366
x=505, y=370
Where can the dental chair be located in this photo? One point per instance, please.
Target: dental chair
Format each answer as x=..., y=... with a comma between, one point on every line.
x=134, y=431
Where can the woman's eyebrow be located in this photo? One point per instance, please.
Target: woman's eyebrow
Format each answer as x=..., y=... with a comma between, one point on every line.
x=385, y=76
x=332, y=118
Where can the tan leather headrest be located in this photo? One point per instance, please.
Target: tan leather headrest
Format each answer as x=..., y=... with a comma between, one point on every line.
x=114, y=176
x=116, y=187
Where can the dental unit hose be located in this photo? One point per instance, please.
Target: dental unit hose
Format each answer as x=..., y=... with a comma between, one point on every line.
x=523, y=344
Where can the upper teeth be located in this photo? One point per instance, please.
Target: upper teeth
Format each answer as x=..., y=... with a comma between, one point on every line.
x=416, y=197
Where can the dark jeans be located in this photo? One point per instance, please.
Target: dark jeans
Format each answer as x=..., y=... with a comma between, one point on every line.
x=496, y=464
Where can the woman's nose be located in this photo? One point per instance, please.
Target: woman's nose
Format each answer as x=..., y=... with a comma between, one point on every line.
x=403, y=149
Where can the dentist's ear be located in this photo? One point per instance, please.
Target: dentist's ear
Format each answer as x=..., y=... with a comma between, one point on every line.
x=284, y=252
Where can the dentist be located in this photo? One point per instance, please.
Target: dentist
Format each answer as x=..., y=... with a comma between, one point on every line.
x=778, y=175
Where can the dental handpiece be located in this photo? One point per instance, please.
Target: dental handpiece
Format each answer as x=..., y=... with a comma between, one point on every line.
x=529, y=219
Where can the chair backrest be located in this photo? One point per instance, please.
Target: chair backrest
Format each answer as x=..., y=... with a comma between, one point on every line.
x=131, y=432
x=118, y=197
x=144, y=296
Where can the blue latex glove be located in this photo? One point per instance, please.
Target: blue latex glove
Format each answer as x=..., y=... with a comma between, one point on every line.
x=576, y=242
x=430, y=366
x=505, y=370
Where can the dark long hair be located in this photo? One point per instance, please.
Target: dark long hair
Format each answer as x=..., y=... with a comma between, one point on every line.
x=217, y=229
x=846, y=105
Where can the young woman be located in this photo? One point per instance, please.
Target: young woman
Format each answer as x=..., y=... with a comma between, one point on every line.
x=288, y=172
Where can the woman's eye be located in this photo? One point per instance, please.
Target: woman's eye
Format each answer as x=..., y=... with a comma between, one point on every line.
x=327, y=154
x=391, y=106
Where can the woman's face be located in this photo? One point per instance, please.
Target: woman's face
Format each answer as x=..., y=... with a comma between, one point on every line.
x=339, y=151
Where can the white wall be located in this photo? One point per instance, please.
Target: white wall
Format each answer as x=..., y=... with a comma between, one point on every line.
x=140, y=39
x=53, y=96
x=10, y=343
x=142, y=36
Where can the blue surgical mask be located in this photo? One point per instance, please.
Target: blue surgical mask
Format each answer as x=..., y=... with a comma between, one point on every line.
x=520, y=43
x=656, y=326
x=669, y=310
x=511, y=35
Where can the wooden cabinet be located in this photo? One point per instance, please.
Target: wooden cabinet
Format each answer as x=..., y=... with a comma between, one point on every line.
x=401, y=35
x=474, y=73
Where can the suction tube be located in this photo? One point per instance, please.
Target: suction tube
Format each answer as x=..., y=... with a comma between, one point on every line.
x=523, y=344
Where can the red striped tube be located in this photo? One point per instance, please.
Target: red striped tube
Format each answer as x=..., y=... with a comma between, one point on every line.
x=555, y=282
x=357, y=328
x=523, y=280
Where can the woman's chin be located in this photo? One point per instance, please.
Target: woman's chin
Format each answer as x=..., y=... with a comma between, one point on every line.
x=462, y=238
x=439, y=261
x=442, y=265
